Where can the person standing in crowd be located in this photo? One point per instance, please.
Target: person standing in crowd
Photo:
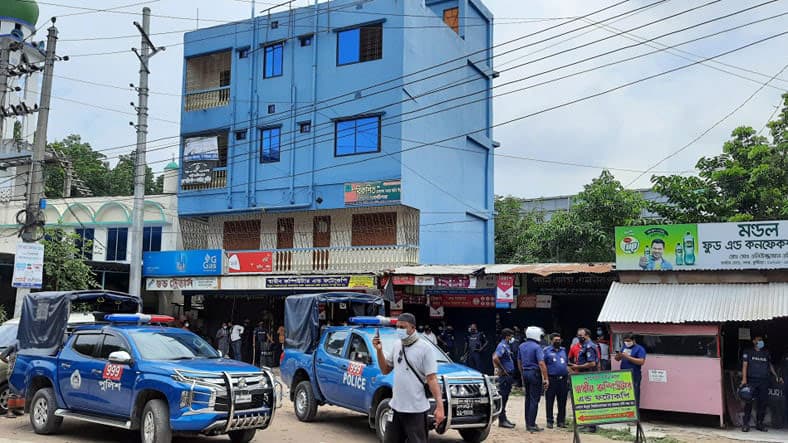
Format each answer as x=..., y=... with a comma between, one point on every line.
x=503, y=362
x=633, y=357
x=8, y=356
x=475, y=343
x=534, y=371
x=414, y=365
x=246, y=341
x=556, y=361
x=518, y=339
x=446, y=340
x=428, y=334
x=223, y=340
x=587, y=358
x=604, y=349
x=259, y=337
x=755, y=368
x=236, y=335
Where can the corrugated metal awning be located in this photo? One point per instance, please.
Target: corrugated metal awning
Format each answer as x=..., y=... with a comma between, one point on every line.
x=438, y=270
x=545, y=269
x=701, y=303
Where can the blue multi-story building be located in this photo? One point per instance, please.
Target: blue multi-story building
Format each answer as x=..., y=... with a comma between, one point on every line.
x=348, y=135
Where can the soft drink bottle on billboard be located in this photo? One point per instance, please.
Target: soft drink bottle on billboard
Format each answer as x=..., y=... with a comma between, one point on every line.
x=647, y=253
x=679, y=254
x=689, y=249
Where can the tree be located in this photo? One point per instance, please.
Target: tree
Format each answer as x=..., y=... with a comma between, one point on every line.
x=64, y=268
x=88, y=165
x=122, y=177
x=748, y=181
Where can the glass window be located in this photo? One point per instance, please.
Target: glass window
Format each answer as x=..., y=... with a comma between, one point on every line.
x=687, y=345
x=269, y=150
x=358, y=351
x=85, y=242
x=357, y=136
x=117, y=239
x=305, y=127
x=172, y=345
x=306, y=40
x=8, y=333
x=87, y=344
x=335, y=342
x=273, y=60
x=361, y=44
x=151, y=238
x=112, y=344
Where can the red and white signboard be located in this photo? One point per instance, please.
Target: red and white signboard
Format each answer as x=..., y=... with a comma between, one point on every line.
x=505, y=292
x=250, y=262
x=112, y=372
x=466, y=301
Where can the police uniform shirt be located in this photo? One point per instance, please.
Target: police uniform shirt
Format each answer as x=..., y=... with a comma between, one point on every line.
x=408, y=391
x=475, y=341
x=757, y=363
x=531, y=354
x=504, y=353
x=587, y=355
x=556, y=361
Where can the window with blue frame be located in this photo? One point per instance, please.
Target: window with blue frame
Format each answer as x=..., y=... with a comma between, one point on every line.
x=361, y=44
x=269, y=147
x=151, y=239
x=84, y=242
x=273, y=60
x=117, y=241
x=357, y=136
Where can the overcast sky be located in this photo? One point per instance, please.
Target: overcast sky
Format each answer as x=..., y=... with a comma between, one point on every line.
x=628, y=129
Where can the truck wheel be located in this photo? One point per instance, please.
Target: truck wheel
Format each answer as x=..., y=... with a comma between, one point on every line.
x=244, y=436
x=383, y=416
x=5, y=392
x=42, y=412
x=476, y=435
x=155, y=423
x=304, y=402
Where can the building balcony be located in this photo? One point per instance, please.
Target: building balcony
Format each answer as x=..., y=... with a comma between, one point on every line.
x=207, y=99
x=343, y=260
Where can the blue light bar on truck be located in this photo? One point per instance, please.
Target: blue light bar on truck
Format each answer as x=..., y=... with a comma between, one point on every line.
x=373, y=321
x=138, y=318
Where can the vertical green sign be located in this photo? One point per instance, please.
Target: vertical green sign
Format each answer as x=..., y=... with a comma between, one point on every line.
x=603, y=397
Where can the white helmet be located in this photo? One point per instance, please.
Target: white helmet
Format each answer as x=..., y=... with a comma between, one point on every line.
x=534, y=333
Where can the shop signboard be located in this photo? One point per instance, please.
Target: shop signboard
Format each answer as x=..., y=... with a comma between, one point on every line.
x=505, y=289
x=570, y=284
x=182, y=284
x=258, y=262
x=603, y=397
x=373, y=193
x=705, y=246
x=28, y=266
x=467, y=301
x=535, y=301
x=458, y=281
x=295, y=282
x=182, y=263
x=200, y=157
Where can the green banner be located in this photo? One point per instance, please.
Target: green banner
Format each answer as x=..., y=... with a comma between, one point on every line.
x=373, y=193
x=603, y=397
x=657, y=248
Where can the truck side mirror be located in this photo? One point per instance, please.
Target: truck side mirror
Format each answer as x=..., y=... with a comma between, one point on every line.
x=120, y=357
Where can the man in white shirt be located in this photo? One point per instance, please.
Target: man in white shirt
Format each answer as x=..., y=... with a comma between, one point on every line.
x=429, y=335
x=236, y=332
x=414, y=365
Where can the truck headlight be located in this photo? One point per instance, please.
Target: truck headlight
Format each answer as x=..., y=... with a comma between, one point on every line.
x=186, y=399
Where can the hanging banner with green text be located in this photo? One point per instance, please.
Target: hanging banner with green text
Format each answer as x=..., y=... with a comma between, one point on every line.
x=603, y=397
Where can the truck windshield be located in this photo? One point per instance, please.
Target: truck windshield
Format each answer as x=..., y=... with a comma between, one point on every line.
x=172, y=345
x=8, y=334
x=389, y=339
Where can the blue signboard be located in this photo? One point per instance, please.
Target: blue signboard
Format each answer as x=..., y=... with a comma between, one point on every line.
x=182, y=263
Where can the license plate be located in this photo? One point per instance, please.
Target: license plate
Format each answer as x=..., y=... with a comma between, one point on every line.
x=243, y=398
x=464, y=411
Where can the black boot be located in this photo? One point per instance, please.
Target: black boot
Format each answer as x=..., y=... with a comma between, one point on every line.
x=505, y=423
x=761, y=427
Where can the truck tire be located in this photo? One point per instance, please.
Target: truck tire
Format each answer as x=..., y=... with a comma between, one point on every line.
x=42, y=412
x=304, y=402
x=476, y=435
x=5, y=392
x=382, y=414
x=244, y=436
x=155, y=423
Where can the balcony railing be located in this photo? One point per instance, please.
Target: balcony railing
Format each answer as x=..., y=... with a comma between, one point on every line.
x=218, y=181
x=350, y=259
x=206, y=99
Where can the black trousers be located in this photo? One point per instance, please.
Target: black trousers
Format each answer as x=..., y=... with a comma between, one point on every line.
x=760, y=394
x=558, y=390
x=504, y=388
x=410, y=428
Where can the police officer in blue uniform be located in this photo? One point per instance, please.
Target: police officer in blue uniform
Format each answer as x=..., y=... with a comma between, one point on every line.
x=446, y=340
x=587, y=358
x=558, y=372
x=503, y=362
x=532, y=366
x=475, y=344
x=755, y=368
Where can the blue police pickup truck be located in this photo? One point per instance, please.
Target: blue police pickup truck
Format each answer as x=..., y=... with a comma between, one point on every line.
x=132, y=373
x=336, y=365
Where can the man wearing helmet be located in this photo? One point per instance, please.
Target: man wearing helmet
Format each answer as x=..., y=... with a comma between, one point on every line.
x=534, y=371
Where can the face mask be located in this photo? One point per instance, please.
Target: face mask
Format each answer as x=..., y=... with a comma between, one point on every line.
x=628, y=344
x=402, y=334
x=760, y=344
x=511, y=340
x=557, y=344
x=581, y=339
x=186, y=324
x=599, y=332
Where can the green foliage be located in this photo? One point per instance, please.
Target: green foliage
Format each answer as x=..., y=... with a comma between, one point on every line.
x=92, y=168
x=748, y=181
x=17, y=130
x=64, y=269
x=584, y=233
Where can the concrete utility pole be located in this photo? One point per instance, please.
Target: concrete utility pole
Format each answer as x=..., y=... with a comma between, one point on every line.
x=5, y=55
x=146, y=51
